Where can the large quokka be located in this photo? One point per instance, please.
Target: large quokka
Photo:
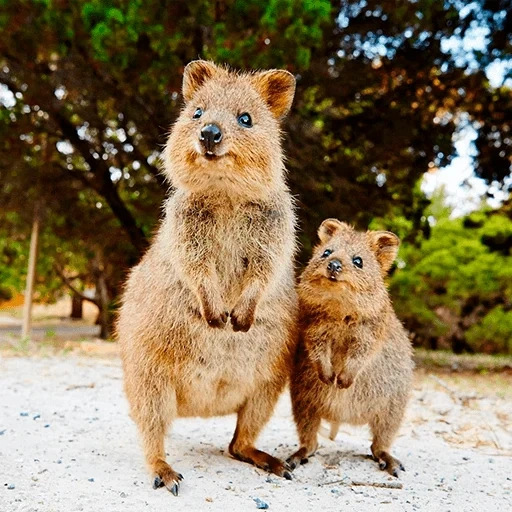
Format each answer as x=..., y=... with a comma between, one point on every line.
x=354, y=361
x=208, y=321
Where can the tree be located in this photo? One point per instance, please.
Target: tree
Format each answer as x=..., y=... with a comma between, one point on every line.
x=378, y=99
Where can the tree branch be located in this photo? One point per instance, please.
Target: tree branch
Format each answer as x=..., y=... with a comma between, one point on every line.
x=70, y=285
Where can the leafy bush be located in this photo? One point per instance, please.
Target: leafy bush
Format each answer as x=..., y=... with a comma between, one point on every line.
x=455, y=289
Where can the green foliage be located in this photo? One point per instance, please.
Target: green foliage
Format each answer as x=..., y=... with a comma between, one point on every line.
x=455, y=283
x=493, y=333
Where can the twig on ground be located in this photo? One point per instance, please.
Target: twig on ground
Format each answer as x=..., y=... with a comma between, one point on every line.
x=444, y=385
x=78, y=386
x=454, y=394
x=350, y=483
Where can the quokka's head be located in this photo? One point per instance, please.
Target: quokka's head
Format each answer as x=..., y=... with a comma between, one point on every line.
x=347, y=262
x=228, y=135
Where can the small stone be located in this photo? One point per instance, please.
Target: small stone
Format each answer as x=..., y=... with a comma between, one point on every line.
x=261, y=505
x=23, y=413
x=11, y=487
x=91, y=479
x=36, y=417
x=123, y=494
x=2, y=432
x=47, y=425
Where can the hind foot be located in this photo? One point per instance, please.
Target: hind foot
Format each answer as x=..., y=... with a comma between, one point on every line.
x=263, y=461
x=298, y=458
x=389, y=463
x=165, y=476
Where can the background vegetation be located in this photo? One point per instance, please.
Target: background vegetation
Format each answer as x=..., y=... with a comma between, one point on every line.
x=89, y=88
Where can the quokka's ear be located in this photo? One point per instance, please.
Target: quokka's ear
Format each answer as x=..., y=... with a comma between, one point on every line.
x=195, y=74
x=329, y=227
x=277, y=87
x=385, y=246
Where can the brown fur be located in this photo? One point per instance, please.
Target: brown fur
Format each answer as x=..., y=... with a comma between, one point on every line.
x=354, y=360
x=208, y=321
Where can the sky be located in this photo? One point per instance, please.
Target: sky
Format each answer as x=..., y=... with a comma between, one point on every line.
x=463, y=189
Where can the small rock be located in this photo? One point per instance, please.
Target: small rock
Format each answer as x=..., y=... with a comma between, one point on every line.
x=261, y=505
x=36, y=417
x=91, y=479
x=23, y=413
x=11, y=487
x=123, y=494
x=47, y=425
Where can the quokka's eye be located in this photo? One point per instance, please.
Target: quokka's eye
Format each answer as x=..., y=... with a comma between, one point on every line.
x=357, y=261
x=197, y=114
x=245, y=120
x=326, y=253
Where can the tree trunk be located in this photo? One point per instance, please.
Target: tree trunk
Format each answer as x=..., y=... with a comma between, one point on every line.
x=77, y=310
x=103, y=300
x=26, y=326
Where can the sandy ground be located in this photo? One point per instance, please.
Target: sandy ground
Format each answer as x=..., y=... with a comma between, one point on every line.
x=67, y=444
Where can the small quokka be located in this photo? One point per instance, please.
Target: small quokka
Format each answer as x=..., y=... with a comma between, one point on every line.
x=354, y=360
x=208, y=321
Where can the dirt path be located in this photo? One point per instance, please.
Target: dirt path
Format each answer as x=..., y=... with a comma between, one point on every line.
x=67, y=444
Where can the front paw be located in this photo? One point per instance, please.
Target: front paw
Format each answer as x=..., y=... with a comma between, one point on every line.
x=215, y=318
x=344, y=380
x=217, y=321
x=212, y=308
x=325, y=372
x=242, y=318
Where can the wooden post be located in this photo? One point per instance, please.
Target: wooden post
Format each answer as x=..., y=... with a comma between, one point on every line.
x=26, y=326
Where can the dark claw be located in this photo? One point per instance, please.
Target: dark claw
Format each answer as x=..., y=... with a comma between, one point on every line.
x=287, y=475
x=305, y=460
x=240, y=327
x=402, y=467
x=395, y=473
x=291, y=465
x=174, y=489
x=382, y=465
x=180, y=476
x=158, y=482
x=216, y=323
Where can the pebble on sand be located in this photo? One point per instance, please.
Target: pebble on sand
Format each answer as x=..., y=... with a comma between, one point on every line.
x=260, y=504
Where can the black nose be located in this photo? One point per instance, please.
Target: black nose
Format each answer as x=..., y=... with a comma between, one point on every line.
x=210, y=135
x=334, y=266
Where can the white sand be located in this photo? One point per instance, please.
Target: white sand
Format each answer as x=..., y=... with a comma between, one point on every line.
x=457, y=452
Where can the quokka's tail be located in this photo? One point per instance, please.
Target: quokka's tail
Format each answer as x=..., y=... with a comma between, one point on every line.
x=332, y=432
